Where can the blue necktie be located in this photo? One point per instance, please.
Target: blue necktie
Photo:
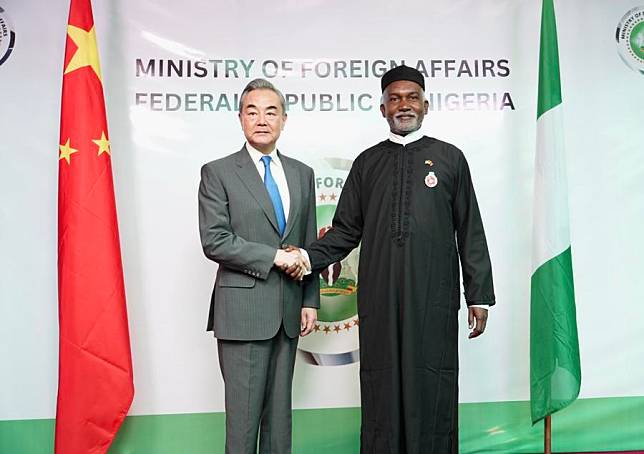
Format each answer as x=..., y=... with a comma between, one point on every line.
x=274, y=194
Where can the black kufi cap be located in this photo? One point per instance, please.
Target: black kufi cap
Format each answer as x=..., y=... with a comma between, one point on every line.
x=402, y=73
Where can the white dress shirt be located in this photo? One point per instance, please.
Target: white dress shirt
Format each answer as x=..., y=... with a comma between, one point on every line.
x=277, y=170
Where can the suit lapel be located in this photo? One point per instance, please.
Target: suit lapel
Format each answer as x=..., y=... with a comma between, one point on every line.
x=294, y=190
x=249, y=176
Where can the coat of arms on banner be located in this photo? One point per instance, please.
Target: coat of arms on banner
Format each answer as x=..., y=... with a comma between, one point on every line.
x=334, y=340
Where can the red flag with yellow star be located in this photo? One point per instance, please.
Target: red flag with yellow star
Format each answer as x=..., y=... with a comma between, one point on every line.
x=95, y=385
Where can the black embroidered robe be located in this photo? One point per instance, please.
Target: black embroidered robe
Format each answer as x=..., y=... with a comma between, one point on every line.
x=415, y=211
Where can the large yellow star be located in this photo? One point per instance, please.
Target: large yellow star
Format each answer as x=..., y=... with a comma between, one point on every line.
x=66, y=152
x=87, y=52
x=103, y=145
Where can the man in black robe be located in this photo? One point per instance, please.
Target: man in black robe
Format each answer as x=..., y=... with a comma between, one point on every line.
x=410, y=200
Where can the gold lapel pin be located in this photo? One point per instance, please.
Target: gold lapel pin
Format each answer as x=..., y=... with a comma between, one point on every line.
x=429, y=162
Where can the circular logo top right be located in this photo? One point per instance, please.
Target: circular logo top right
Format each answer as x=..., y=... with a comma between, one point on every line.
x=630, y=39
x=7, y=36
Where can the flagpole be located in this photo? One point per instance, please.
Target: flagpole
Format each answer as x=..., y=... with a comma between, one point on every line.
x=547, y=435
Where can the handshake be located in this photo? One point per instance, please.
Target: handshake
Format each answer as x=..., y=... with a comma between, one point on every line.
x=291, y=260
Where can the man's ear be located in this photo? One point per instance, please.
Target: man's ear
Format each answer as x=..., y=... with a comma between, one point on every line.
x=382, y=110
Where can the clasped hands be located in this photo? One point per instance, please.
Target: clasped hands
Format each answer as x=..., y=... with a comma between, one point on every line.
x=292, y=262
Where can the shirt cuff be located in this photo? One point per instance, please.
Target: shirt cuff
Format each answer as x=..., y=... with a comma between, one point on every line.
x=306, y=257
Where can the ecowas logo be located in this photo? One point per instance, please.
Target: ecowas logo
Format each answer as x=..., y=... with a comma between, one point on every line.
x=334, y=340
x=7, y=36
x=630, y=39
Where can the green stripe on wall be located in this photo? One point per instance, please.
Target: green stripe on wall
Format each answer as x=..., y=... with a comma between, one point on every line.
x=587, y=425
x=497, y=427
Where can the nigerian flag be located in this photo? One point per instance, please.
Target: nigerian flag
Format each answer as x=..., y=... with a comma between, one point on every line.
x=555, y=371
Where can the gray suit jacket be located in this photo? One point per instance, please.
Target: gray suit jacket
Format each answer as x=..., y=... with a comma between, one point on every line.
x=238, y=228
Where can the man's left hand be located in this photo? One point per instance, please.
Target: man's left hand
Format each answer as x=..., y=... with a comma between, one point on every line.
x=309, y=317
x=476, y=319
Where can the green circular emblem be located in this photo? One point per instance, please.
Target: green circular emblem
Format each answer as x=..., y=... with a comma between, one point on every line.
x=334, y=340
x=637, y=40
x=630, y=39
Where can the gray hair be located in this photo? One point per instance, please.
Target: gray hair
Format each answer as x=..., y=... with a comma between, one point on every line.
x=261, y=84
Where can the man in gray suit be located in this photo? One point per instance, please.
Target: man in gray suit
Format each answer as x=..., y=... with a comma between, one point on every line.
x=251, y=204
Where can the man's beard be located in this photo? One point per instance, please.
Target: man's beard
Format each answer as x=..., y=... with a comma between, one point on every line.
x=406, y=126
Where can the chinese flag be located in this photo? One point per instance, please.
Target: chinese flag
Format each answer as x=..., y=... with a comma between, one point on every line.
x=95, y=386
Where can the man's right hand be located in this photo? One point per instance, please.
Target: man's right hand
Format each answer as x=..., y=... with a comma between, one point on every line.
x=292, y=262
x=293, y=271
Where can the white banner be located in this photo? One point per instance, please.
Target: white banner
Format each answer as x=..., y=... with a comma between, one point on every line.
x=172, y=73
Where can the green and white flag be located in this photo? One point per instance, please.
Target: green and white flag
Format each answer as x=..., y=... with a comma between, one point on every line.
x=555, y=371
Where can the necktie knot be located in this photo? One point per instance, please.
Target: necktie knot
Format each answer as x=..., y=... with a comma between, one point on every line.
x=266, y=160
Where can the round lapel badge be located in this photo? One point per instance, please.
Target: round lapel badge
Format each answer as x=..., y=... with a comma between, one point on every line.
x=431, y=180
